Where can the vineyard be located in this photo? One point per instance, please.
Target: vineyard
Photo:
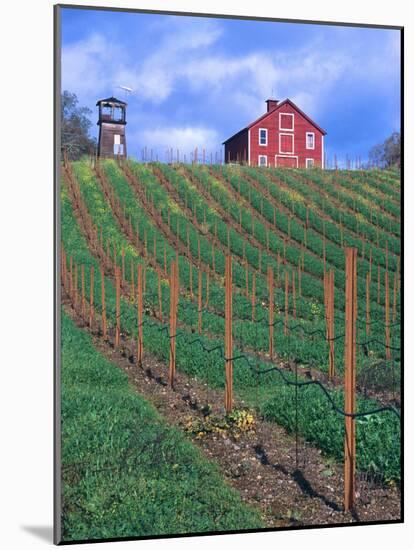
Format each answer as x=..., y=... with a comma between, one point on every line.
x=258, y=309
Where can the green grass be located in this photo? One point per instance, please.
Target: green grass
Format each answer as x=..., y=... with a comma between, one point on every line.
x=125, y=472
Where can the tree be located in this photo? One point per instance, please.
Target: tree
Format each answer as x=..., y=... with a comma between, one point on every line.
x=75, y=127
x=388, y=153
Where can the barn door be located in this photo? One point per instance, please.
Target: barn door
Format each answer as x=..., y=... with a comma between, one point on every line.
x=286, y=161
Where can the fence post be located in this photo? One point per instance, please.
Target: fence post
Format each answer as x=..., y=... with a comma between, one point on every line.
x=350, y=370
x=91, y=293
x=200, y=292
x=173, y=319
x=228, y=399
x=118, y=306
x=140, y=343
x=271, y=309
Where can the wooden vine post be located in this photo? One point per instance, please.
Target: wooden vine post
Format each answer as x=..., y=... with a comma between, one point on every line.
x=173, y=319
x=228, y=398
x=118, y=306
x=330, y=320
x=270, y=283
x=350, y=372
x=140, y=319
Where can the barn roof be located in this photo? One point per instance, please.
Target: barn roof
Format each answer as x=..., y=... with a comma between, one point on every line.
x=111, y=99
x=284, y=102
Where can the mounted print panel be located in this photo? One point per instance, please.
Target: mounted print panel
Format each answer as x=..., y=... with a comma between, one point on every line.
x=229, y=270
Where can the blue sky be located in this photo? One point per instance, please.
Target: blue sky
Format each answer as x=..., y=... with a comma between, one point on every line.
x=198, y=80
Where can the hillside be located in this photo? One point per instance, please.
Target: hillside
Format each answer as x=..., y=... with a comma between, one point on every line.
x=296, y=223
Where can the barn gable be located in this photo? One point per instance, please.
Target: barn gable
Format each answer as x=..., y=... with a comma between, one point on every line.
x=283, y=136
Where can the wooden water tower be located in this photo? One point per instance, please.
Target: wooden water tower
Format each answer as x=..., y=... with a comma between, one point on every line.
x=112, y=139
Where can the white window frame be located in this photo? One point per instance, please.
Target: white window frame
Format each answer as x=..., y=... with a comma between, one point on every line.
x=258, y=160
x=292, y=152
x=313, y=136
x=312, y=165
x=263, y=144
x=293, y=122
x=289, y=157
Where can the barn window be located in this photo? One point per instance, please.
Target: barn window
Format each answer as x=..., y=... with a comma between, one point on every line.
x=309, y=163
x=286, y=144
x=262, y=136
x=310, y=140
x=262, y=160
x=287, y=121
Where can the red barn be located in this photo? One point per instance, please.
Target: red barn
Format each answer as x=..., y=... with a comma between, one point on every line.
x=283, y=136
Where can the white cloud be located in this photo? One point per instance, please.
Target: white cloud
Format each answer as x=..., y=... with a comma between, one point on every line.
x=184, y=138
x=87, y=65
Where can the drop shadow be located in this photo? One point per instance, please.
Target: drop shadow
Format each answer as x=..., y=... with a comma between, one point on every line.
x=42, y=532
